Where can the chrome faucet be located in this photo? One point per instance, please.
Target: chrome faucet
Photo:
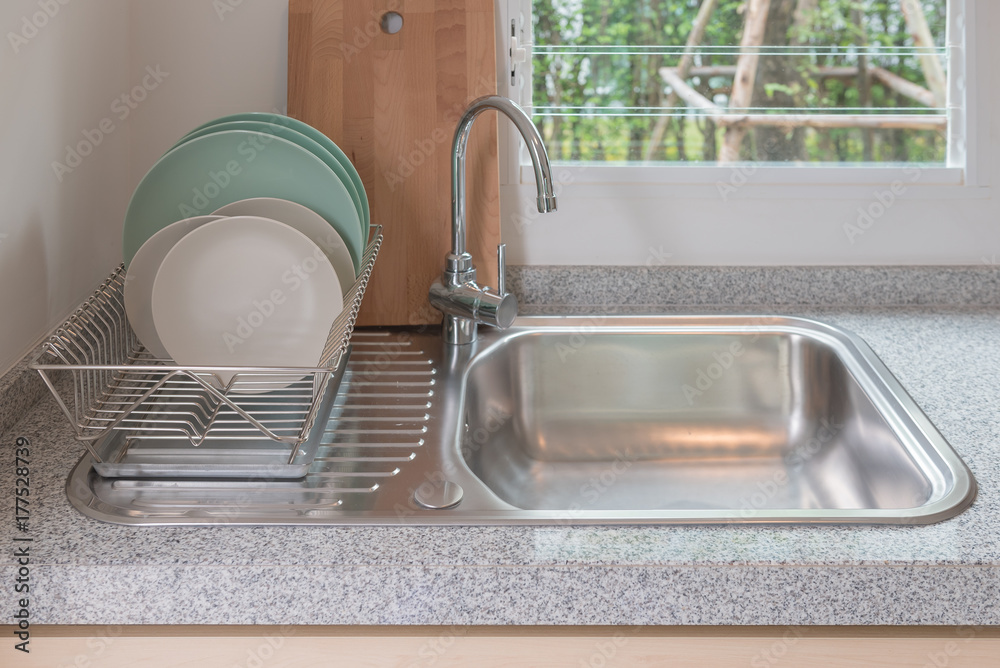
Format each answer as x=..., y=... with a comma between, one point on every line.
x=456, y=294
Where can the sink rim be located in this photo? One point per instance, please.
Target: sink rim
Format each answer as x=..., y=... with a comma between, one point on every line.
x=893, y=402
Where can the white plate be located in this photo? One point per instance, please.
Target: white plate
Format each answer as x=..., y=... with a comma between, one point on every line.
x=246, y=291
x=306, y=221
x=142, y=272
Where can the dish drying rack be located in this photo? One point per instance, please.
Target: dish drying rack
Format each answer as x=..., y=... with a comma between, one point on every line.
x=140, y=416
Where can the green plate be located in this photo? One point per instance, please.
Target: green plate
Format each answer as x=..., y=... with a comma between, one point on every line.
x=210, y=172
x=316, y=136
x=293, y=136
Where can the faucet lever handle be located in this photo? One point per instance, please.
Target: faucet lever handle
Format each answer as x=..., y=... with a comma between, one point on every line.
x=502, y=269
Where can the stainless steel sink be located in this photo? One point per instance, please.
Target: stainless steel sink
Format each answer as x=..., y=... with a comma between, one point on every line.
x=595, y=420
x=709, y=418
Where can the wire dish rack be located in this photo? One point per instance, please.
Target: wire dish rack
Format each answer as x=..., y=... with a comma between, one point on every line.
x=145, y=417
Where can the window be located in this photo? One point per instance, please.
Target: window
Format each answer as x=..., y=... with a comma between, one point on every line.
x=848, y=162
x=717, y=81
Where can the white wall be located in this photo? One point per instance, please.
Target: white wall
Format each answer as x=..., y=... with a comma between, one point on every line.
x=220, y=62
x=58, y=240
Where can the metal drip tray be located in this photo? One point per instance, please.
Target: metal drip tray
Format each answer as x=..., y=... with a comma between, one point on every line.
x=564, y=421
x=375, y=428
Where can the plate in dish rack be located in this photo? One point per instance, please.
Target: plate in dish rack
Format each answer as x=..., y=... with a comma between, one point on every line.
x=210, y=172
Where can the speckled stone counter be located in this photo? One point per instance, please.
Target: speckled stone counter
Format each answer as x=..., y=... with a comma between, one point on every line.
x=948, y=358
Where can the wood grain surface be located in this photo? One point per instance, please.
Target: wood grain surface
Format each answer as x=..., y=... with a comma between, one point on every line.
x=507, y=647
x=392, y=102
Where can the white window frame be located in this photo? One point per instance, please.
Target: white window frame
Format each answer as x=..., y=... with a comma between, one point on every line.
x=965, y=177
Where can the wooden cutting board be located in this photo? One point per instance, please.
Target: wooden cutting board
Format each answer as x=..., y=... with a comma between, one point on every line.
x=392, y=102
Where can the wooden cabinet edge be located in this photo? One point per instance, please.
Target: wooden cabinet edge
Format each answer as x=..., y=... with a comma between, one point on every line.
x=707, y=647
x=225, y=630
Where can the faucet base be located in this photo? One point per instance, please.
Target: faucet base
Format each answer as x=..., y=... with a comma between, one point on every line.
x=459, y=331
x=465, y=305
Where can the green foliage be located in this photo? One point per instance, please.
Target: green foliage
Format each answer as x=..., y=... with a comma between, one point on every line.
x=602, y=102
x=773, y=87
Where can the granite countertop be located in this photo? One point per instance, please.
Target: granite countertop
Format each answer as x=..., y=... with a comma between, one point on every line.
x=948, y=358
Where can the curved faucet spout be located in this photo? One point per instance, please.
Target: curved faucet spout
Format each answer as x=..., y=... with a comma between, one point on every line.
x=536, y=149
x=456, y=294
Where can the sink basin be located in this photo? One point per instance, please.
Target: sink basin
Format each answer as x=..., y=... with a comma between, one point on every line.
x=575, y=420
x=749, y=419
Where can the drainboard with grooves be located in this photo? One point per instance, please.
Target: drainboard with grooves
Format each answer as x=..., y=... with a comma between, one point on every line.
x=376, y=429
x=379, y=419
